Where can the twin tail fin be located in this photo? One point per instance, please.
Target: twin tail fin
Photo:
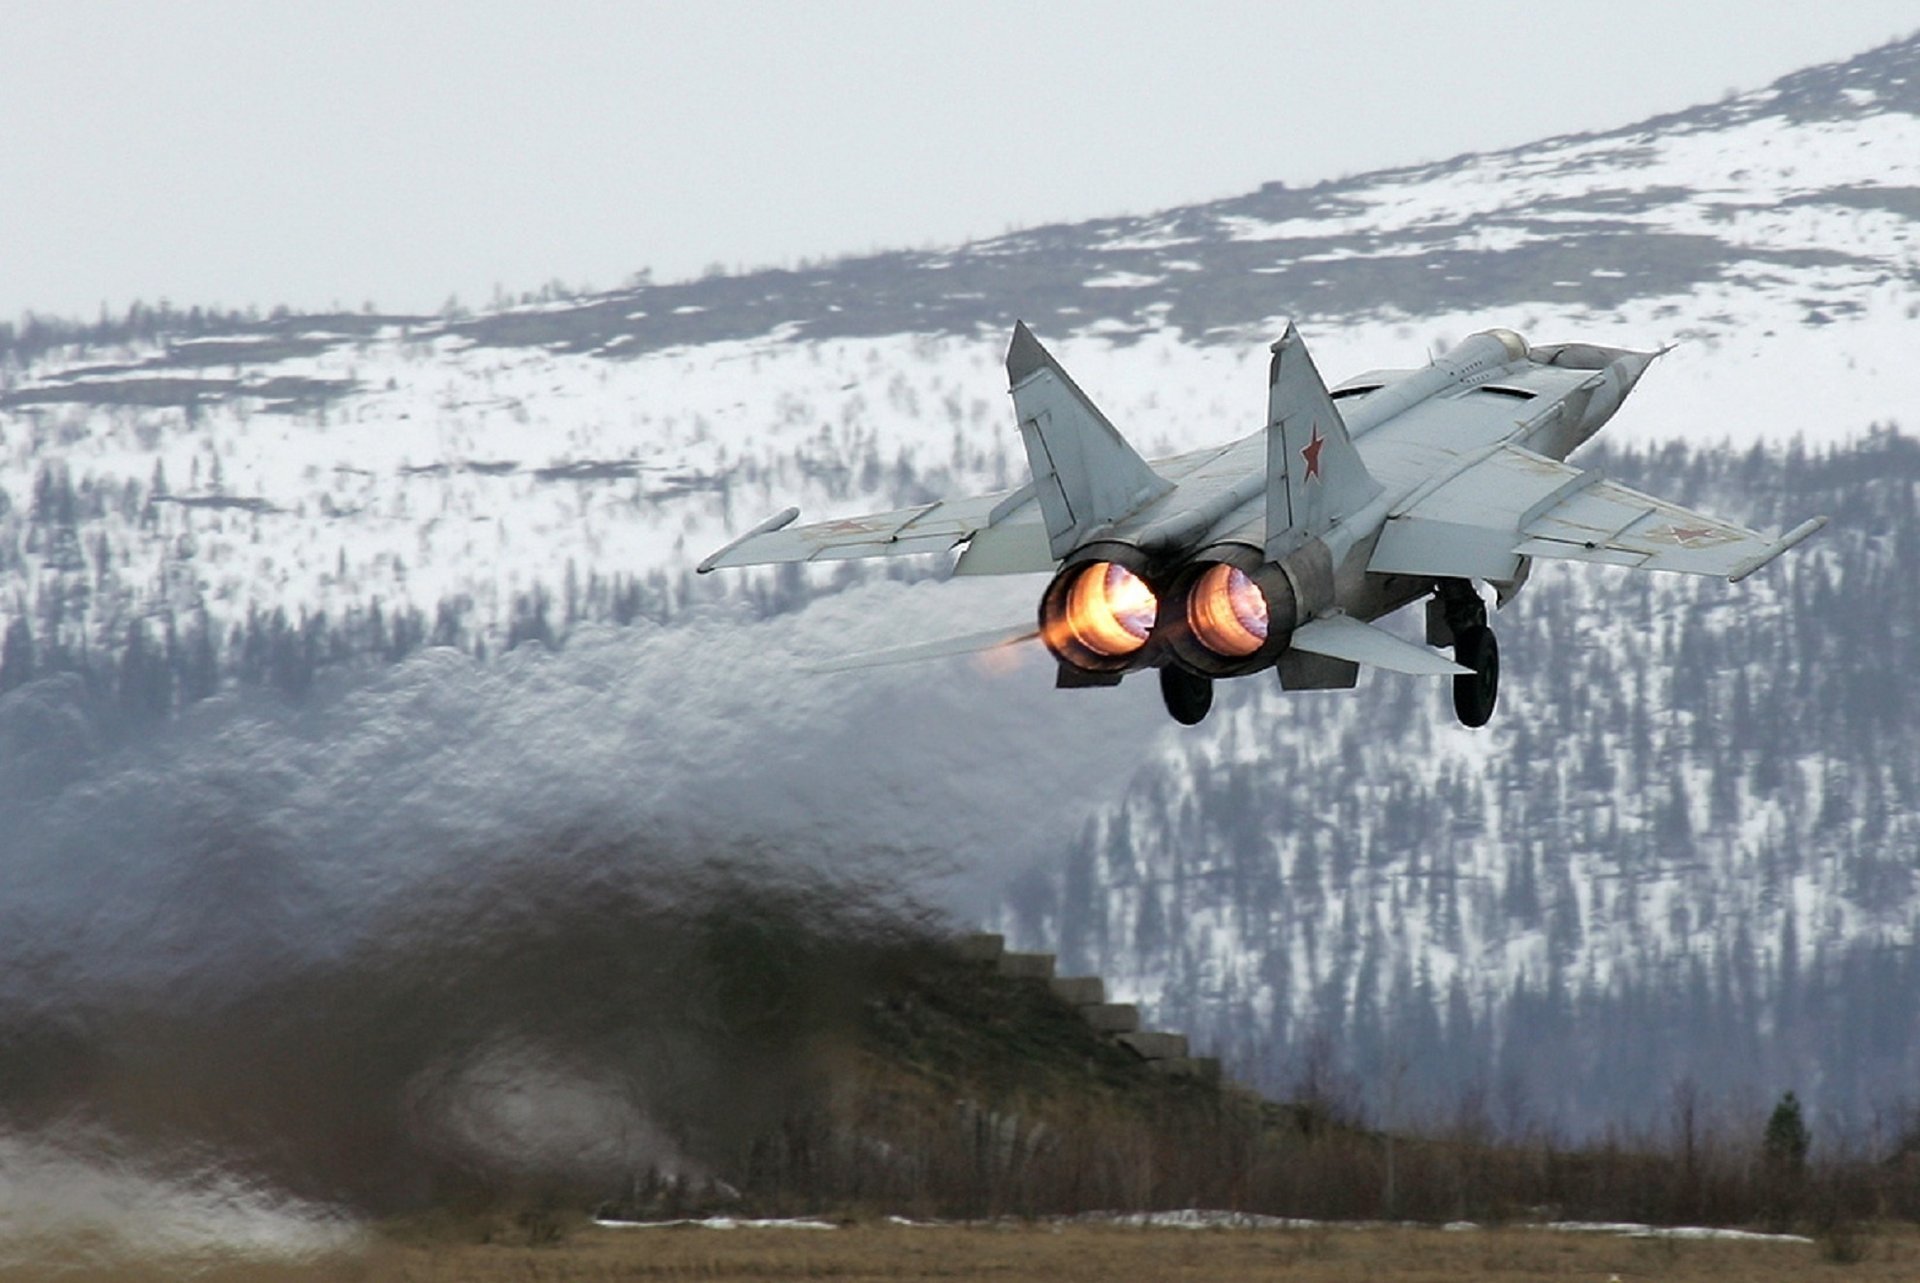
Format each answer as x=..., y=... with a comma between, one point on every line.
x=1314, y=473
x=1085, y=475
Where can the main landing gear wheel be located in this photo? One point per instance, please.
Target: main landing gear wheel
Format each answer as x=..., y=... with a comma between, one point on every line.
x=1475, y=693
x=1188, y=696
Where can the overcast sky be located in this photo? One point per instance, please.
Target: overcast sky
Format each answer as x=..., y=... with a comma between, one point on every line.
x=227, y=153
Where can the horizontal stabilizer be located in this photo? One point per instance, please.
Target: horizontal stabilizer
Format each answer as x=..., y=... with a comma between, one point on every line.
x=941, y=649
x=1344, y=637
x=1018, y=543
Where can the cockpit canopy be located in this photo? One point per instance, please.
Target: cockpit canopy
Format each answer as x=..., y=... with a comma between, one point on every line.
x=1515, y=345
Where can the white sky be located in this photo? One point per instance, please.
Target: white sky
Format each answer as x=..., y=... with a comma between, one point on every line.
x=227, y=153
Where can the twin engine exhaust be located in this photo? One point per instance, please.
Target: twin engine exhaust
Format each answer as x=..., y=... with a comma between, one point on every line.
x=1222, y=613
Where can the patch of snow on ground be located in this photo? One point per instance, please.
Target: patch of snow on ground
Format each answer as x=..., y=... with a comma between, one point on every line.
x=721, y=1223
x=1630, y=1229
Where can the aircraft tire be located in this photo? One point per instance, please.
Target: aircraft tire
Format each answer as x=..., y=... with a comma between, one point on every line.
x=1475, y=694
x=1188, y=696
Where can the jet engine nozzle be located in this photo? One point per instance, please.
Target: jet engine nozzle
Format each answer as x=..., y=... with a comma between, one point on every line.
x=1229, y=613
x=1100, y=611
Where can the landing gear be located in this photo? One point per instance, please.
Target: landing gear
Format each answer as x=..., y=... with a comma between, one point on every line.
x=1463, y=618
x=1474, y=693
x=1188, y=696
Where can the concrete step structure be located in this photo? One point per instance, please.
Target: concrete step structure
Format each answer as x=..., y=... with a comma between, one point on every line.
x=1154, y=1046
x=1112, y=1017
x=1080, y=991
x=1204, y=1068
x=1164, y=1053
x=1026, y=966
x=982, y=946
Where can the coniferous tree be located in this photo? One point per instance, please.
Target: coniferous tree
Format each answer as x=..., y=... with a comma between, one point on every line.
x=16, y=654
x=1787, y=1140
x=145, y=680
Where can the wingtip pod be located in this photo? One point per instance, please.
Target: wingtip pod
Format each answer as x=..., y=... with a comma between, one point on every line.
x=1799, y=534
x=778, y=521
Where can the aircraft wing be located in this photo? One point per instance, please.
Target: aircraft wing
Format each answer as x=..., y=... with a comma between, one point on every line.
x=1003, y=532
x=1479, y=518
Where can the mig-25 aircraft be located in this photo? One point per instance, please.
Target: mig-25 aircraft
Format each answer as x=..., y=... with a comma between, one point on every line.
x=1280, y=549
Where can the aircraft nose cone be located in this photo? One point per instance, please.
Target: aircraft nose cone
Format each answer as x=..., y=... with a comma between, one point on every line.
x=1629, y=366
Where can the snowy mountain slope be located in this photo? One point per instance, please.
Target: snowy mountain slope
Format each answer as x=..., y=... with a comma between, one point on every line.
x=186, y=498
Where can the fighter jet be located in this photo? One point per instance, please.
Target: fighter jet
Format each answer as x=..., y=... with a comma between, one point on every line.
x=1281, y=549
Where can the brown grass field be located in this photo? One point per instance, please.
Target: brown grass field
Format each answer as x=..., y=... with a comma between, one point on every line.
x=1070, y=1254
x=1014, y=1253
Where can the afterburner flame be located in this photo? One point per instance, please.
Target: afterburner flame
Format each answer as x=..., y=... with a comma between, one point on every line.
x=1110, y=610
x=1228, y=612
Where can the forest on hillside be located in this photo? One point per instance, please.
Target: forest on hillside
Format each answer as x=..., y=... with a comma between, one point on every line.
x=1694, y=815
x=1684, y=865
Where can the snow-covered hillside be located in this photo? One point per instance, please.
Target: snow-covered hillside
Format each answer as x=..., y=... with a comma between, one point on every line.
x=319, y=466
x=187, y=501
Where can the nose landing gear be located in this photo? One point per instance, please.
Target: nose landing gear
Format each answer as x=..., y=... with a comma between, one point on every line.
x=1188, y=696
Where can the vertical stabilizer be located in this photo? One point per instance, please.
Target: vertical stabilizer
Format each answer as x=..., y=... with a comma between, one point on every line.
x=1314, y=474
x=1084, y=473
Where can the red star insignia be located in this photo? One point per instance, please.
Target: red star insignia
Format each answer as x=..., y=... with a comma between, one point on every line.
x=1691, y=535
x=1311, y=453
